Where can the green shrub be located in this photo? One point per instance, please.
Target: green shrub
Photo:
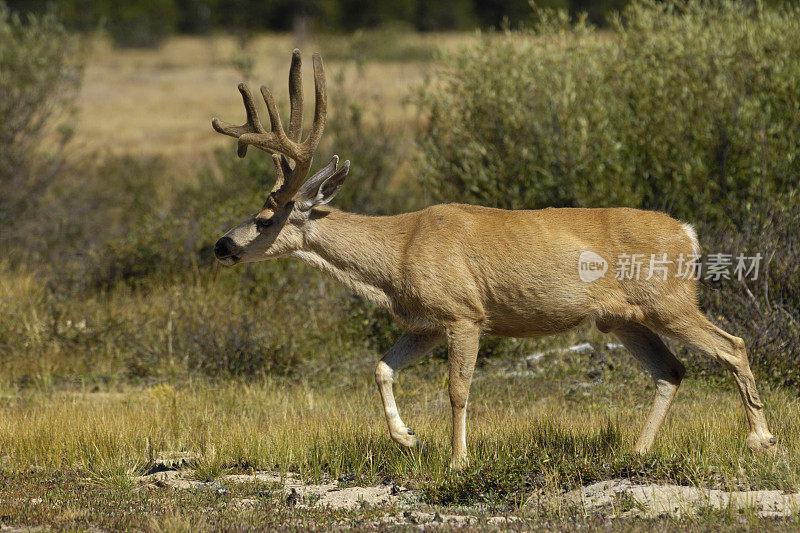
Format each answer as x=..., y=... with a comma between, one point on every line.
x=126, y=224
x=687, y=107
x=376, y=184
x=393, y=43
x=40, y=73
x=219, y=346
x=765, y=312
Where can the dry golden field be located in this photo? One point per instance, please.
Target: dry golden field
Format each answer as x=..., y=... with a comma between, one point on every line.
x=161, y=101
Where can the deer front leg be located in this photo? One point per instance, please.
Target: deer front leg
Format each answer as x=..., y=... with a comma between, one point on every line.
x=462, y=342
x=408, y=349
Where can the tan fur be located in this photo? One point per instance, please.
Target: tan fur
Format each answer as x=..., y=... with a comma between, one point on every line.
x=451, y=273
x=513, y=273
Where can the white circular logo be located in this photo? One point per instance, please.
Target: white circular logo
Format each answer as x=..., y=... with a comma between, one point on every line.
x=591, y=266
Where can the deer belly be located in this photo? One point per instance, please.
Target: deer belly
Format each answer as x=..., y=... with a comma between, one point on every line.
x=533, y=310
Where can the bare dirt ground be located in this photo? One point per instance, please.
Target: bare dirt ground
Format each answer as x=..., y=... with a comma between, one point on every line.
x=401, y=504
x=629, y=499
x=619, y=497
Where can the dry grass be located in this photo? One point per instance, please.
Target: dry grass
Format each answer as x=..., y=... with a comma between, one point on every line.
x=334, y=425
x=538, y=434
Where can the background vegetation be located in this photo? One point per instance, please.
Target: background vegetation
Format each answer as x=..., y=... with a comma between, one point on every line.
x=146, y=22
x=108, y=283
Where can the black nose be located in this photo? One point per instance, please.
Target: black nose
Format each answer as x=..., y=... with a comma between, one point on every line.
x=224, y=248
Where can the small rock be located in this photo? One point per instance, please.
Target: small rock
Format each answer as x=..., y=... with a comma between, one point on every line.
x=347, y=478
x=532, y=360
x=580, y=348
x=158, y=467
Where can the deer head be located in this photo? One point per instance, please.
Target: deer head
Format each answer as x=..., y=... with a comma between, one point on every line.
x=277, y=229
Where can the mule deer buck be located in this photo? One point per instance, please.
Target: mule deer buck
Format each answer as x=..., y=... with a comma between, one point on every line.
x=451, y=273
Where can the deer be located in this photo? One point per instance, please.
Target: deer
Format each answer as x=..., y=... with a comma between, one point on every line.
x=451, y=273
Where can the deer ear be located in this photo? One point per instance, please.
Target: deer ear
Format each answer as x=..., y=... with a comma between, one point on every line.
x=324, y=191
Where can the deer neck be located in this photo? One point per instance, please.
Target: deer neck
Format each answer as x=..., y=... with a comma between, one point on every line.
x=359, y=251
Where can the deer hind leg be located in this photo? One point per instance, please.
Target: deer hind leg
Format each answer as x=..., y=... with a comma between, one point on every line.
x=697, y=332
x=462, y=344
x=665, y=369
x=408, y=349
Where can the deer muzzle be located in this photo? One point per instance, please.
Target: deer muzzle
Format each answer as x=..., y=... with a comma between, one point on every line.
x=226, y=251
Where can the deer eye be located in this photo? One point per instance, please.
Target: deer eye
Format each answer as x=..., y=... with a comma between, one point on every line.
x=263, y=223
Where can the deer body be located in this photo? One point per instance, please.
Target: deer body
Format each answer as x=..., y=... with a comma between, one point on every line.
x=451, y=273
x=513, y=273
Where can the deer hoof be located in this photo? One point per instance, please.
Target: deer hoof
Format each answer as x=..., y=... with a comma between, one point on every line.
x=761, y=443
x=405, y=438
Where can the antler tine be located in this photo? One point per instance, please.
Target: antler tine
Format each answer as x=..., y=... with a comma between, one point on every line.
x=251, y=125
x=282, y=167
x=282, y=170
x=320, y=102
x=296, y=97
x=274, y=140
x=286, y=191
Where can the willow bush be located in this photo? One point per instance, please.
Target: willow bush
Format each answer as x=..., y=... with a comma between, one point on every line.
x=687, y=107
x=40, y=72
